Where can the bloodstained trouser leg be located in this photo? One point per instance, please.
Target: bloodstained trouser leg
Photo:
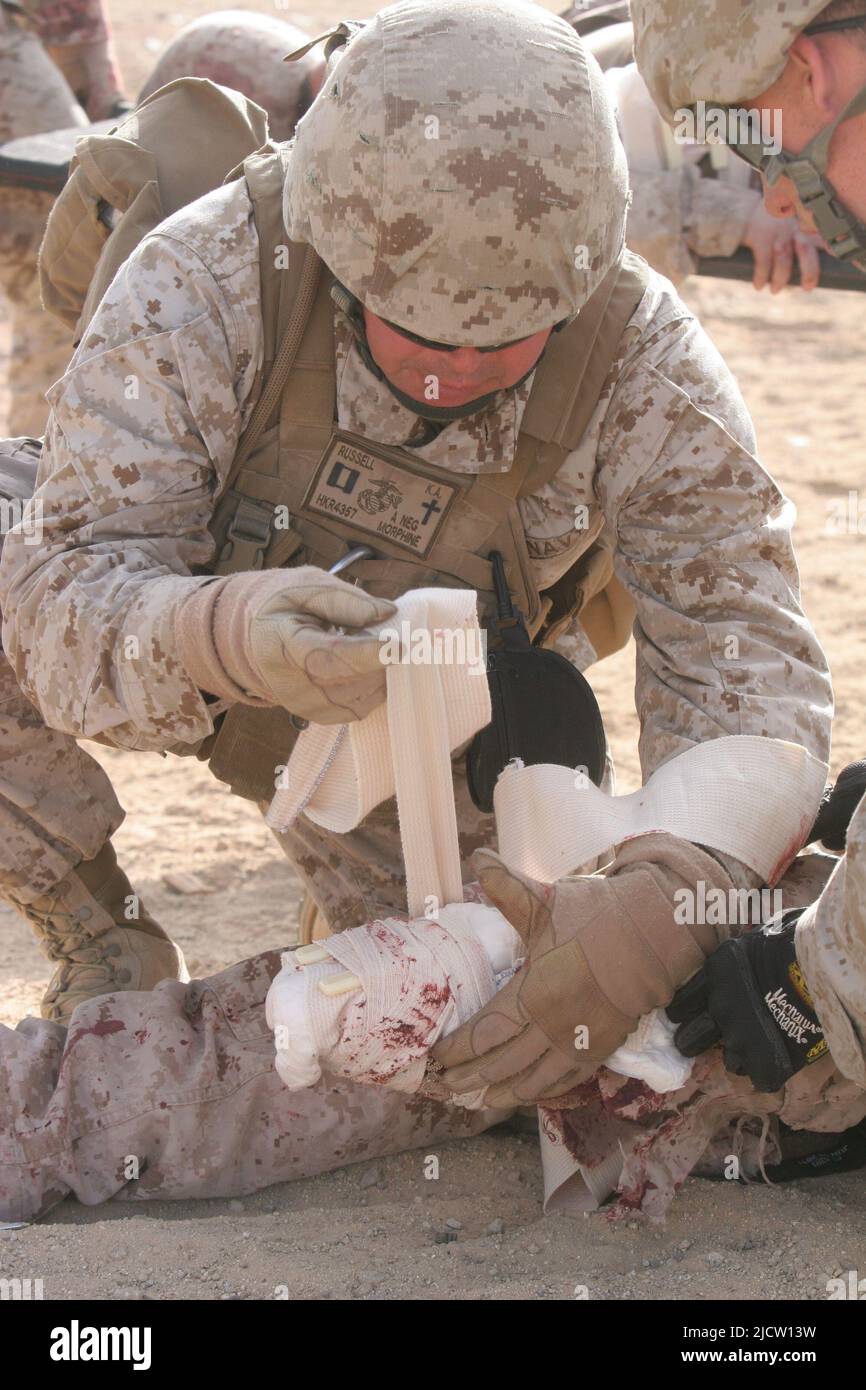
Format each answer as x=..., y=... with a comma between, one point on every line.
x=181, y=1079
x=831, y=949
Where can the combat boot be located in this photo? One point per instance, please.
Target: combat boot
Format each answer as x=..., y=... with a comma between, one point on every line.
x=94, y=925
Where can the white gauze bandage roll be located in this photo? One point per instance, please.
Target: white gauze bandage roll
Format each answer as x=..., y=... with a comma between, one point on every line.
x=437, y=698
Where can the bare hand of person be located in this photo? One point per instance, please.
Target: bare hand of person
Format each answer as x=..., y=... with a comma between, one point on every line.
x=774, y=242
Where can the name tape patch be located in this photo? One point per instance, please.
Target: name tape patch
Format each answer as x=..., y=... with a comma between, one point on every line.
x=379, y=495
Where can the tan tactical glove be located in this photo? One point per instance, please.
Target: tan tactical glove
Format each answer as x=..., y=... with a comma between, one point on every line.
x=602, y=950
x=275, y=638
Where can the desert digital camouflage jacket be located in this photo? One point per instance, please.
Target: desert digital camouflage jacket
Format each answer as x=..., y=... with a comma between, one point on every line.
x=145, y=422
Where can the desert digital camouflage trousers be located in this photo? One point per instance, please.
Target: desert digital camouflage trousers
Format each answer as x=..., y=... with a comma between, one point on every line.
x=179, y=1084
x=173, y=1094
x=57, y=806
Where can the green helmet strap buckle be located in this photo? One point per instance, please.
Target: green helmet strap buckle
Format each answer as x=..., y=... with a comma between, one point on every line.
x=844, y=233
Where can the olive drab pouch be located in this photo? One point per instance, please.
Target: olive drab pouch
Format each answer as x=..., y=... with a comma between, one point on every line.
x=543, y=710
x=124, y=182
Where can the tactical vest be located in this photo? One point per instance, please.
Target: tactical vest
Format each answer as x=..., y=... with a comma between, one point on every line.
x=303, y=492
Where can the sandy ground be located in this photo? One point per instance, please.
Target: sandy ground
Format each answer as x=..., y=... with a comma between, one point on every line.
x=382, y=1230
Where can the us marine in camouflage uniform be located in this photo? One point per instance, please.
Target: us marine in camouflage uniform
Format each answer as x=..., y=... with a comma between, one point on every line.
x=803, y=64
x=687, y=200
x=244, y=50
x=691, y=201
x=57, y=807
x=48, y=782
x=76, y=36
x=240, y=49
x=34, y=97
x=461, y=178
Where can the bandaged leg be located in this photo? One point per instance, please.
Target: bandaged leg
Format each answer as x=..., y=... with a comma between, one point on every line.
x=182, y=1079
x=368, y=1004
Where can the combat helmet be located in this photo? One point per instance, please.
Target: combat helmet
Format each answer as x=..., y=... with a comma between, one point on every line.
x=728, y=51
x=460, y=171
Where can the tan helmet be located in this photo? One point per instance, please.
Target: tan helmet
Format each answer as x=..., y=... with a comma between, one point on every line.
x=714, y=50
x=244, y=50
x=727, y=52
x=460, y=171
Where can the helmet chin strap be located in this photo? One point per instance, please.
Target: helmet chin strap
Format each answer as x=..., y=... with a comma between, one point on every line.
x=442, y=414
x=844, y=233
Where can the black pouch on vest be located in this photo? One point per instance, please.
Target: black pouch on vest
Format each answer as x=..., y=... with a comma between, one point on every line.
x=543, y=710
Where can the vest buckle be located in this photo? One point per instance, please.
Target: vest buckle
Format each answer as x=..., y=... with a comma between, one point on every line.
x=248, y=537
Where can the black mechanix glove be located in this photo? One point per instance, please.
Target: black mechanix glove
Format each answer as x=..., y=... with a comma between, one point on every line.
x=751, y=997
x=838, y=805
